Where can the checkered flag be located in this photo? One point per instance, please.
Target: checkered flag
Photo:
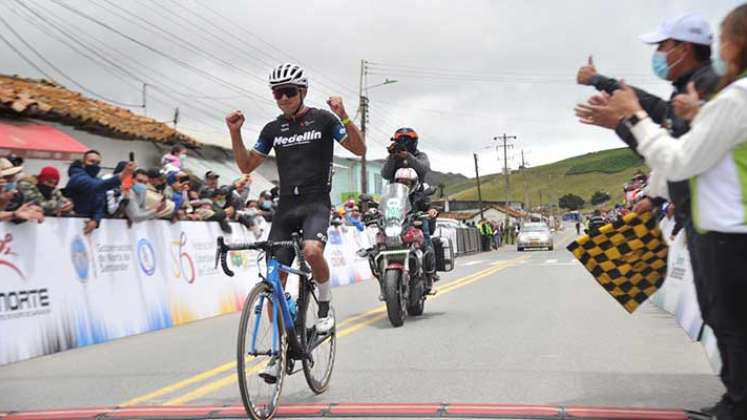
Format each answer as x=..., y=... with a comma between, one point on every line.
x=628, y=258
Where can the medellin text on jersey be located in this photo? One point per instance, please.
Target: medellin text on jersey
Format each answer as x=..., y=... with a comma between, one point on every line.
x=303, y=149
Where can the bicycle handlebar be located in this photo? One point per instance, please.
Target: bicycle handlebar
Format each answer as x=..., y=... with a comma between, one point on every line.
x=266, y=246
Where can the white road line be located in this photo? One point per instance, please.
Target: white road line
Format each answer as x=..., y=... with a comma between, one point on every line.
x=551, y=261
x=467, y=264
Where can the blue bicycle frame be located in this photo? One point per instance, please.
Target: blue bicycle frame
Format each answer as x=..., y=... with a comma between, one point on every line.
x=274, y=268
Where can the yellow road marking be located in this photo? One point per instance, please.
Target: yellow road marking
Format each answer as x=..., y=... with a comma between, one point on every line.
x=365, y=317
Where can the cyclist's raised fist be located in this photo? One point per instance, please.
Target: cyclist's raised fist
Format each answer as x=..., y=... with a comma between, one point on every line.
x=335, y=104
x=235, y=120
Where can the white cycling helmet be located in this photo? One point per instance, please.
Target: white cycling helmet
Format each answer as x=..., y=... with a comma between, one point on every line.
x=288, y=74
x=407, y=176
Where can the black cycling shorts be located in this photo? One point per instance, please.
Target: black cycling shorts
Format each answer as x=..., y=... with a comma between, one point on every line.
x=308, y=212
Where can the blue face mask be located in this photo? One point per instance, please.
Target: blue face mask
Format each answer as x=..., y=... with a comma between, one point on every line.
x=139, y=188
x=10, y=186
x=660, y=65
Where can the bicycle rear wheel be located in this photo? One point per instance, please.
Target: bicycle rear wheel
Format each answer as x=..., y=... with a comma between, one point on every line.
x=318, y=370
x=258, y=332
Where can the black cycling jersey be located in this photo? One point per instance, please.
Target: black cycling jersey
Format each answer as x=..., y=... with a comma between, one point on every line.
x=303, y=148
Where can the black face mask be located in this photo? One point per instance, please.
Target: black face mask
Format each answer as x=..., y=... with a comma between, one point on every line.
x=161, y=187
x=92, y=170
x=45, y=190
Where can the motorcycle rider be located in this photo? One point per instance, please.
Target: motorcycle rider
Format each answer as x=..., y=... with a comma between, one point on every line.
x=420, y=201
x=404, y=153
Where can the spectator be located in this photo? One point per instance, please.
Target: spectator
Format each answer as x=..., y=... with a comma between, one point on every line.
x=11, y=174
x=209, y=185
x=486, y=234
x=174, y=161
x=239, y=194
x=89, y=192
x=266, y=205
x=114, y=204
x=711, y=156
x=42, y=191
x=177, y=191
x=145, y=202
x=220, y=214
x=157, y=180
x=27, y=211
x=497, y=235
x=354, y=219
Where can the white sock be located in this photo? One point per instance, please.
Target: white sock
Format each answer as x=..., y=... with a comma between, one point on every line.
x=325, y=291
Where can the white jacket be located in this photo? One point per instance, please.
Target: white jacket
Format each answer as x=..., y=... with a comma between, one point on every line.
x=713, y=155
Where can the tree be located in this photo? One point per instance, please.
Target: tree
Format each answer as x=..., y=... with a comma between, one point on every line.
x=571, y=202
x=599, y=197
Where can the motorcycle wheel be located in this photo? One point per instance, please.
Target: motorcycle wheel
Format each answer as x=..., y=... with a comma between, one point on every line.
x=416, y=304
x=395, y=307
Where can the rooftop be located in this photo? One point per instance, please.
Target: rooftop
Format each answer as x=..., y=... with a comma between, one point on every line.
x=45, y=100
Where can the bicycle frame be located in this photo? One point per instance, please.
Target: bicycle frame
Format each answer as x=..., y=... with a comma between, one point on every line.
x=274, y=268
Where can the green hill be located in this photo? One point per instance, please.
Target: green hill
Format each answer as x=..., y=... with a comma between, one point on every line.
x=606, y=170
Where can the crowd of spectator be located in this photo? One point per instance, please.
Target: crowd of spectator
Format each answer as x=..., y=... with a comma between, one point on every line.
x=167, y=192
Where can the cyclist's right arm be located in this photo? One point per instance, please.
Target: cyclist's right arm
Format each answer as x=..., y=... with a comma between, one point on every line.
x=248, y=160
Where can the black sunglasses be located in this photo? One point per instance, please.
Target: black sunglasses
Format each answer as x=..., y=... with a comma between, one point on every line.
x=288, y=91
x=183, y=179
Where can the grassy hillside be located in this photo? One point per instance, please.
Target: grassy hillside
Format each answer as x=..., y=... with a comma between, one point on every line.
x=606, y=170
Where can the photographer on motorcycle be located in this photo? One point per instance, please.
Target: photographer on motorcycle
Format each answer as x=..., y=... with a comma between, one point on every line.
x=421, y=202
x=404, y=153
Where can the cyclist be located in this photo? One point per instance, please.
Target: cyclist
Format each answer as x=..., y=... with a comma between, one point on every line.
x=420, y=201
x=404, y=153
x=303, y=138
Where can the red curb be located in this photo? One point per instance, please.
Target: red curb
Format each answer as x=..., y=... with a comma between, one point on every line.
x=357, y=409
x=625, y=413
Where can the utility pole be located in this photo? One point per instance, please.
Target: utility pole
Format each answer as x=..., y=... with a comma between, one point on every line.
x=363, y=105
x=523, y=169
x=479, y=193
x=506, y=172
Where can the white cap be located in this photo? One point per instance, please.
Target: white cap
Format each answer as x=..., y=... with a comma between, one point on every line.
x=687, y=28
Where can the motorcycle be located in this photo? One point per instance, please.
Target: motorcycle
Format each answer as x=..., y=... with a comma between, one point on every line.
x=397, y=259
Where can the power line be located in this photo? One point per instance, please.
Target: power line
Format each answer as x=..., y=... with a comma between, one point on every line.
x=155, y=50
x=57, y=69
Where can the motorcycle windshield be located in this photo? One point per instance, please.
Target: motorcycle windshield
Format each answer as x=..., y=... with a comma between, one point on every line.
x=395, y=203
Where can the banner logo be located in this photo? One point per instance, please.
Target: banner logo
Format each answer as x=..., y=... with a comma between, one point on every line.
x=80, y=259
x=5, y=249
x=183, y=264
x=146, y=257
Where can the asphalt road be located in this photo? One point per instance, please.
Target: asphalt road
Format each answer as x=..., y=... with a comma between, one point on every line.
x=506, y=327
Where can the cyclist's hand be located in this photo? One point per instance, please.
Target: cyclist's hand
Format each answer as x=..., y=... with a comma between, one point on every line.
x=235, y=120
x=335, y=104
x=432, y=213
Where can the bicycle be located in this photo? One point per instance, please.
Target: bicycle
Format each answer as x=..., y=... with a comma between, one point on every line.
x=284, y=339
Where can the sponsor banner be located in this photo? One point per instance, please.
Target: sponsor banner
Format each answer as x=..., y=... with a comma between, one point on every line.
x=677, y=296
x=60, y=289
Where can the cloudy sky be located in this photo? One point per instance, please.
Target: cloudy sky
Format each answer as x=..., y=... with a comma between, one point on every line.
x=466, y=71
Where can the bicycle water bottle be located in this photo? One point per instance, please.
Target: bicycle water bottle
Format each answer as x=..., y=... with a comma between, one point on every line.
x=292, y=307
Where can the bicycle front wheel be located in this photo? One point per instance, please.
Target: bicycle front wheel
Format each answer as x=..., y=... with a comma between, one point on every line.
x=321, y=348
x=262, y=341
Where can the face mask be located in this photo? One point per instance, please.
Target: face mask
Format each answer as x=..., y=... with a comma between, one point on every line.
x=92, y=170
x=719, y=65
x=10, y=186
x=161, y=187
x=660, y=65
x=266, y=205
x=183, y=158
x=221, y=203
x=45, y=190
x=139, y=188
